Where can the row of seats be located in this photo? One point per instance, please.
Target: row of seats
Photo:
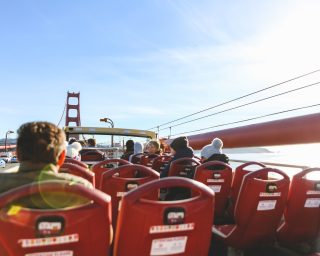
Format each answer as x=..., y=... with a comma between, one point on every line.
x=269, y=198
x=146, y=226
x=258, y=201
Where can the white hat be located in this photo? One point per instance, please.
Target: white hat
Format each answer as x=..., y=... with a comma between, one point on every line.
x=73, y=150
x=138, y=148
x=214, y=148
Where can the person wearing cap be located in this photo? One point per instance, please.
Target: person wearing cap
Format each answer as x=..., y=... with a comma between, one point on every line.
x=213, y=152
x=179, y=149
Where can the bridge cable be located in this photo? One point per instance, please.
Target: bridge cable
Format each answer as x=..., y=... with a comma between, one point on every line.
x=235, y=99
x=246, y=104
x=249, y=119
x=63, y=113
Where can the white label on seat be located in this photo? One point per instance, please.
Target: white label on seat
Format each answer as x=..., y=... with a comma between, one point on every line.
x=215, y=180
x=168, y=246
x=264, y=194
x=265, y=205
x=57, y=253
x=313, y=192
x=171, y=228
x=215, y=188
x=37, y=242
x=312, y=203
x=49, y=225
x=121, y=194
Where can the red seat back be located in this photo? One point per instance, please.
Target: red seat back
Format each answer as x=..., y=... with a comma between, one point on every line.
x=78, y=171
x=165, y=227
x=117, y=182
x=238, y=176
x=218, y=180
x=101, y=167
x=161, y=162
x=302, y=214
x=92, y=155
x=183, y=167
x=147, y=159
x=135, y=159
x=77, y=162
x=73, y=230
x=258, y=209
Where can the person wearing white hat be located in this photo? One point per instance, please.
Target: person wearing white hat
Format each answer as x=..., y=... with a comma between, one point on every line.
x=73, y=151
x=213, y=152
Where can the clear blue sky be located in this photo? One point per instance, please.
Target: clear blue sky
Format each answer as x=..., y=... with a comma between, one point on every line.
x=144, y=63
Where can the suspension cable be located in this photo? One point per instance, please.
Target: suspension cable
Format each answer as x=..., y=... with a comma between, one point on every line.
x=249, y=119
x=63, y=112
x=238, y=98
x=246, y=104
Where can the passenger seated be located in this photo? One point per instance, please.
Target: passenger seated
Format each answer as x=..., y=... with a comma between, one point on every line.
x=179, y=149
x=92, y=142
x=129, y=150
x=73, y=151
x=41, y=151
x=153, y=147
x=137, y=151
x=213, y=152
x=92, y=154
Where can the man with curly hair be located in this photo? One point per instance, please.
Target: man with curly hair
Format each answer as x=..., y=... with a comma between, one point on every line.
x=41, y=150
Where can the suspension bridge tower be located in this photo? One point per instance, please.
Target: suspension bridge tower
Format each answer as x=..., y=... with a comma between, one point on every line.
x=73, y=109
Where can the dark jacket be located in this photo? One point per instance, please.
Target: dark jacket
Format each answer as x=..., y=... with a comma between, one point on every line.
x=184, y=152
x=126, y=155
x=218, y=157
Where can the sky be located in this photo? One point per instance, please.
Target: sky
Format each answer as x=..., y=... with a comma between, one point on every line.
x=148, y=62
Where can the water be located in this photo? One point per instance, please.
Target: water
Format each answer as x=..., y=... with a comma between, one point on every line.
x=303, y=155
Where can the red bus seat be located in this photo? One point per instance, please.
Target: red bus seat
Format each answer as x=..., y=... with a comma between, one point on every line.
x=218, y=180
x=78, y=171
x=161, y=162
x=238, y=176
x=148, y=159
x=150, y=227
x=92, y=155
x=302, y=214
x=81, y=230
x=118, y=181
x=135, y=159
x=74, y=161
x=105, y=165
x=183, y=167
x=258, y=210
